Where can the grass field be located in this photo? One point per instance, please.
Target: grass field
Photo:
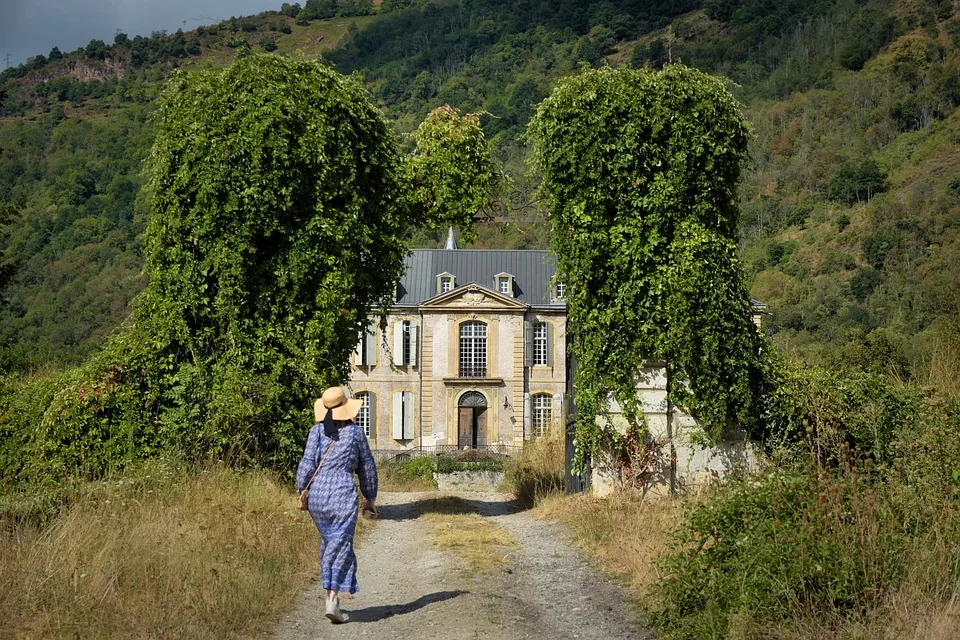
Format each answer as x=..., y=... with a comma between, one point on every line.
x=162, y=554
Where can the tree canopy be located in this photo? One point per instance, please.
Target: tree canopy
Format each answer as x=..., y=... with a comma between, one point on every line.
x=639, y=171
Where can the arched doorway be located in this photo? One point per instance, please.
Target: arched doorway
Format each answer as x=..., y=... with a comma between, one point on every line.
x=473, y=420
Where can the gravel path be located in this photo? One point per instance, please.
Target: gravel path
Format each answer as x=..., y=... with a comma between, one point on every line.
x=411, y=590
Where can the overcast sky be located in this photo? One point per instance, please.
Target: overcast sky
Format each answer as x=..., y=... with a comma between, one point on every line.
x=29, y=27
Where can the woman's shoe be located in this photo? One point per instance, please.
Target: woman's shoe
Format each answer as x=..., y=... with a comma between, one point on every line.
x=333, y=612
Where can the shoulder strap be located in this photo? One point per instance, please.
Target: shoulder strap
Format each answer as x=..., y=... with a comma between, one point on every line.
x=329, y=446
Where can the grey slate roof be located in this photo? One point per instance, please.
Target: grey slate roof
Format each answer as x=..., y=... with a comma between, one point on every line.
x=533, y=273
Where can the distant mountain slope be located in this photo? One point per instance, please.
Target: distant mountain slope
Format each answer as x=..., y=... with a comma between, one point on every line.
x=850, y=205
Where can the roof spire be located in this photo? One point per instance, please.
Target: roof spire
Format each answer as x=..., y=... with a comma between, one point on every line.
x=451, y=244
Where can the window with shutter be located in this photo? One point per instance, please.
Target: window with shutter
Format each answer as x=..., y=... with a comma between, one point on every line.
x=405, y=344
x=365, y=355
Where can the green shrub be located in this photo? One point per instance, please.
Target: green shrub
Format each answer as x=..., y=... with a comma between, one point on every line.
x=414, y=475
x=862, y=499
x=877, y=246
x=783, y=546
x=864, y=282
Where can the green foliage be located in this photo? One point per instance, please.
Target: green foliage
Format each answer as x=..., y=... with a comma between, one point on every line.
x=764, y=552
x=280, y=208
x=878, y=245
x=865, y=494
x=645, y=227
x=856, y=182
x=416, y=474
x=863, y=282
x=875, y=30
x=451, y=170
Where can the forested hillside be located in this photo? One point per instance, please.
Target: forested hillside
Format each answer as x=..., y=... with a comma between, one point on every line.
x=850, y=206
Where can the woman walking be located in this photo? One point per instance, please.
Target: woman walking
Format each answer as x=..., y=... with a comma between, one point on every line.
x=339, y=448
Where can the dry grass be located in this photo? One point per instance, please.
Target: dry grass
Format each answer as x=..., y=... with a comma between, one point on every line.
x=944, y=365
x=482, y=545
x=538, y=472
x=319, y=36
x=626, y=535
x=165, y=555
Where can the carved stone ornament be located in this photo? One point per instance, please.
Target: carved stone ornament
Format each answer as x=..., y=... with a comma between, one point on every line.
x=474, y=298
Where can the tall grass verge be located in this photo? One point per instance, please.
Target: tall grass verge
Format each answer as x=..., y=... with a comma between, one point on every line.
x=538, y=472
x=214, y=553
x=626, y=535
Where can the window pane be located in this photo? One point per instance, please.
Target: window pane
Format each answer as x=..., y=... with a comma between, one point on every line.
x=363, y=417
x=540, y=343
x=473, y=350
x=542, y=413
x=504, y=285
x=406, y=342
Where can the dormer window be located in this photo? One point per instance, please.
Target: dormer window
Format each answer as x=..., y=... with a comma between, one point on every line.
x=559, y=289
x=445, y=282
x=504, y=284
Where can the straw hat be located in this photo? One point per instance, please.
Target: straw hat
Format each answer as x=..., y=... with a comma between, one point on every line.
x=336, y=398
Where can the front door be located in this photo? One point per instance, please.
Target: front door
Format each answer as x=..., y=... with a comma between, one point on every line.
x=472, y=428
x=472, y=421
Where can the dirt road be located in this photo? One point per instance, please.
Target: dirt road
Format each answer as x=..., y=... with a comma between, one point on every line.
x=410, y=590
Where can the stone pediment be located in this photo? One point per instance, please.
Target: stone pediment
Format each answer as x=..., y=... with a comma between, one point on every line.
x=473, y=296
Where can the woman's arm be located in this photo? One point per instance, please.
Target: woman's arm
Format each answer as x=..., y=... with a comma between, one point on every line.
x=366, y=469
x=308, y=463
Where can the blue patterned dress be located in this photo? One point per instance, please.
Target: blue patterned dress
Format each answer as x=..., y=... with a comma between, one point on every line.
x=333, y=498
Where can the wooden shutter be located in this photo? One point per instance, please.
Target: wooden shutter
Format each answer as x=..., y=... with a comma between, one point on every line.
x=527, y=417
x=408, y=415
x=398, y=416
x=372, y=349
x=528, y=344
x=358, y=352
x=373, y=414
x=549, y=343
x=398, y=343
x=413, y=345
x=556, y=411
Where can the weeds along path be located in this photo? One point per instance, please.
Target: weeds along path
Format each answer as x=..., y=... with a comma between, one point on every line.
x=517, y=578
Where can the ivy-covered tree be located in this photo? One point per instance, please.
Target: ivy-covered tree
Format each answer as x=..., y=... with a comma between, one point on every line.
x=280, y=206
x=640, y=170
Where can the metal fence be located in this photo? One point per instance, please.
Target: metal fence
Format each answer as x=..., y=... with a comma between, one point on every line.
x=482, y=452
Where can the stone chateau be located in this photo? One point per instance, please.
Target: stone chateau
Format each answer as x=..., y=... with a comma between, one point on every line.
x=473, y=356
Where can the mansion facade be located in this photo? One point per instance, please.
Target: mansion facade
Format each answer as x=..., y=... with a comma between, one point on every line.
x=473, y=355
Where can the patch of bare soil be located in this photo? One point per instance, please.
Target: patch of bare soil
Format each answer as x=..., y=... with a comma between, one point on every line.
x=409, y=589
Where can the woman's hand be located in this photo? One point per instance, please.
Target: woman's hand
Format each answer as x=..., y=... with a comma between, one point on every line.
x=370, y=509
